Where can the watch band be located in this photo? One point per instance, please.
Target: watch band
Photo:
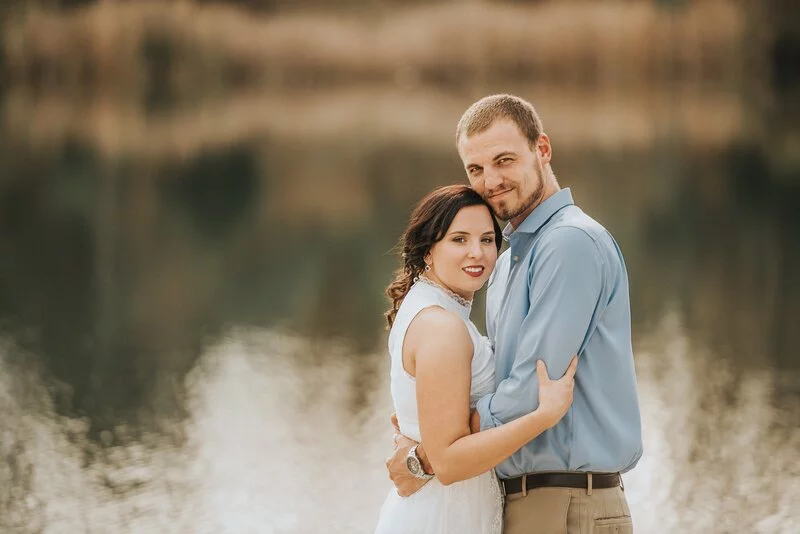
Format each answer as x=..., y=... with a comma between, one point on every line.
x=418, y=470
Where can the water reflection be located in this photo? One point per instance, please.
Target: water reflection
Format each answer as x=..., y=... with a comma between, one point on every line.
x=720, y=449
x=272, y=441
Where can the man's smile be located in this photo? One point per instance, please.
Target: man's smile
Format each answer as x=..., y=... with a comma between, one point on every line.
x=495, y=196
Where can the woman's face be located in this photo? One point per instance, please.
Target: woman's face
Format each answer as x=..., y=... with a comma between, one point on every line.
x=464, y=258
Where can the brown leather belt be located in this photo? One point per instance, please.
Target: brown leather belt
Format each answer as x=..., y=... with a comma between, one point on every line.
x=560, y=480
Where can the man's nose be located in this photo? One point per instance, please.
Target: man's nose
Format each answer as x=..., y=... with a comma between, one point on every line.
x=491, y=180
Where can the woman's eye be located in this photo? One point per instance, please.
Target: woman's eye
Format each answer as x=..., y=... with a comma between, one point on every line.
x=488, y=240
x=458, y=239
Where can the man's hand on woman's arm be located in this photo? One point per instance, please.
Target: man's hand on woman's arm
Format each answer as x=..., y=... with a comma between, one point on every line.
x=406, y=483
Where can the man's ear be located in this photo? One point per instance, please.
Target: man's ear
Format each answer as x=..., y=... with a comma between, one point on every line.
x=544, y=148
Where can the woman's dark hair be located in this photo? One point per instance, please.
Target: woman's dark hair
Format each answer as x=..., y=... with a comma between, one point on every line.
x=428, y=224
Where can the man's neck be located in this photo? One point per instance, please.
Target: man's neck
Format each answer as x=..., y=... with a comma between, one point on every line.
x=550, y=190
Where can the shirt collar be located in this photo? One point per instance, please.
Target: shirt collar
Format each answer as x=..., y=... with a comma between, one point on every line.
x=542, y=213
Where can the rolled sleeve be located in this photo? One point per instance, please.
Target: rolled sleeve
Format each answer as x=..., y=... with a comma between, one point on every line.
x=484, y=409
x=565, y=289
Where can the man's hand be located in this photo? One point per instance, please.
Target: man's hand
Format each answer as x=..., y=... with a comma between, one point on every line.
x=555, y=396
x=406, y=483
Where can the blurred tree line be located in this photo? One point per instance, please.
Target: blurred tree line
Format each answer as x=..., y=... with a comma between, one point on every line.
x=255, y=5
x=775, y=23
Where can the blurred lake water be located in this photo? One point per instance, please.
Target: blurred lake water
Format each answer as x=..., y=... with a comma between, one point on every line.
x=191, y=295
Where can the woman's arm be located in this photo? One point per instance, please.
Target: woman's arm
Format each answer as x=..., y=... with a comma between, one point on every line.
x=439, y=351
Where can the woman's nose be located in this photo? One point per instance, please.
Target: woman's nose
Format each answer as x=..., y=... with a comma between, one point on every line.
x=475, y=250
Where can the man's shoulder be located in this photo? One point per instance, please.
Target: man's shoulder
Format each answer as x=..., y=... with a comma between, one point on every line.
x=572, y=223
x=574, y=234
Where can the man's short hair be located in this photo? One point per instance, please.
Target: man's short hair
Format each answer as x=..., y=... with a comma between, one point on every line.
x=483, y=113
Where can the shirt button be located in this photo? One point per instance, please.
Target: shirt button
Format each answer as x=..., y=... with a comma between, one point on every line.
x=516, y=258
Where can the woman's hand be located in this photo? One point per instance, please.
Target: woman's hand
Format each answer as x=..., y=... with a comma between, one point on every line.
x=555, y=396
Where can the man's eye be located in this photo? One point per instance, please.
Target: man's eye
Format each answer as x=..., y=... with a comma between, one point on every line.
x=504, y=161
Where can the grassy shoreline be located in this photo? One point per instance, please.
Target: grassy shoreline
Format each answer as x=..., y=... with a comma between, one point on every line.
x=181, y=46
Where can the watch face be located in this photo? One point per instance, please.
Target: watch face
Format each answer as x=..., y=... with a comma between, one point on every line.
x=411, y=464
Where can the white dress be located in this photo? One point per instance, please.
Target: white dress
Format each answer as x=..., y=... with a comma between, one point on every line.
x=473, y=506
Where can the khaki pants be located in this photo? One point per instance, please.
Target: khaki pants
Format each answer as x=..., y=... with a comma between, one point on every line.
x=568, y=511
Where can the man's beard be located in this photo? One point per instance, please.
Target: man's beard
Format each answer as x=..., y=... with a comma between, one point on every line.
x=533, y=200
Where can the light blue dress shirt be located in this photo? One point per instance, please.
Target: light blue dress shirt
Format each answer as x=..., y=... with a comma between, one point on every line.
x=562, y=289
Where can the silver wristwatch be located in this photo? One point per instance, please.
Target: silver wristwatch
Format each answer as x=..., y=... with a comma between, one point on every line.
x=414, y=465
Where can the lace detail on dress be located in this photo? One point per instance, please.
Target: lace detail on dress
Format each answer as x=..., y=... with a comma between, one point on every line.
x=465, y=303
x=497, y=518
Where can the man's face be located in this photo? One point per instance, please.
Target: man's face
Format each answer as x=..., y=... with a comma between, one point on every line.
x=505, y=169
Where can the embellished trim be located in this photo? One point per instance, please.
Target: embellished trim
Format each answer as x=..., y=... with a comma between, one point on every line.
x=461, y=301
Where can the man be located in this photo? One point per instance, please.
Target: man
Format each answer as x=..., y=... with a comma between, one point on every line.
x=560, y=289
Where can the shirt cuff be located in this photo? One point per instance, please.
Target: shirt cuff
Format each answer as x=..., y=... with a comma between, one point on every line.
x=487, y=419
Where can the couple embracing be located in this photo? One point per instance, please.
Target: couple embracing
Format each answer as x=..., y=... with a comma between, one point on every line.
x=486, y=440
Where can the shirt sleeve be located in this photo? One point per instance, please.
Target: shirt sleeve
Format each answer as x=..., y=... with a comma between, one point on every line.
x=565, y=286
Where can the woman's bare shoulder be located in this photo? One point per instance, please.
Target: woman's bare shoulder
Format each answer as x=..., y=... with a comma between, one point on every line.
x=436, y=329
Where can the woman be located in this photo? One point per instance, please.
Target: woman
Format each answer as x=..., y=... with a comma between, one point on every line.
x=441, y=366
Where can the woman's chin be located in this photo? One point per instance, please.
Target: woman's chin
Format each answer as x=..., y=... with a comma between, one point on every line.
x=480, y=285
x=471, y=286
